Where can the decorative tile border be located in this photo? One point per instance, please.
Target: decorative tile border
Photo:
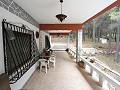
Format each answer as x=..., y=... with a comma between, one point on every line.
x=40, y=42
x=14, y=8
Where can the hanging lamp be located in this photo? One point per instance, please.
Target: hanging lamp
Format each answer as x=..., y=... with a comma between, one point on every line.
x=61, y=16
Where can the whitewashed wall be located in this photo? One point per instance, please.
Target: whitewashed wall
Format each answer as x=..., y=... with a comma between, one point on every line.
x=43, y=39
x=4, y=14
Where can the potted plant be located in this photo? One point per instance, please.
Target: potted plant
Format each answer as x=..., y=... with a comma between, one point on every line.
x=92, y=60
x=105, y=69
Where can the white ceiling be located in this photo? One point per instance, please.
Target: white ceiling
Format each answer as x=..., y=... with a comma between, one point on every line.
x=77, y=11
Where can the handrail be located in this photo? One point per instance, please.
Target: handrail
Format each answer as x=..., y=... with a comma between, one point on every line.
x=104, y=75
x=72, y=50
x=105, y=66
x=110, y=79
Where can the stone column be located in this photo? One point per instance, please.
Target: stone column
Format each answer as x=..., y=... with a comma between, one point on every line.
x=78, y=44
x=93, y=42
x=68, y=39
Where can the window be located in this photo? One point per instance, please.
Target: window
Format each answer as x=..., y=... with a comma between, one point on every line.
x=20, y=50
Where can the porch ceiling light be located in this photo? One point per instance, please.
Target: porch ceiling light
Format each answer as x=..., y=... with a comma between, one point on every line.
x=61, y=16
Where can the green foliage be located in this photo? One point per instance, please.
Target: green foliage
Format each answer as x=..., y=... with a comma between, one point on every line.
x=115, y=14
x=105, y=24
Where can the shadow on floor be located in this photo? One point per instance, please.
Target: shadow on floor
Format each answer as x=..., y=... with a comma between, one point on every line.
x=91, y=81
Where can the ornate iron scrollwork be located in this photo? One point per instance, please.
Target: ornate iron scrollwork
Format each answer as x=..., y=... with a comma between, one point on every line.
x=20, y=50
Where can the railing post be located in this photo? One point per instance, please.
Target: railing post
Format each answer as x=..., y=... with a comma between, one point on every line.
x=91, y=71
x=84, y=65
x=102, y=81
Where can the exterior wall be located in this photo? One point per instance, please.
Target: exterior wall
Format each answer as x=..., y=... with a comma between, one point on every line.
x=43, y=39
x=14, y=8
x=5, y=14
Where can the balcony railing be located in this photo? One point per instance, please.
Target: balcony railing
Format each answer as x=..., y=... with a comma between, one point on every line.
x=98, y=68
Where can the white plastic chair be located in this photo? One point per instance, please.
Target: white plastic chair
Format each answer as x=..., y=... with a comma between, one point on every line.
x=43, y=62
x=52, y=59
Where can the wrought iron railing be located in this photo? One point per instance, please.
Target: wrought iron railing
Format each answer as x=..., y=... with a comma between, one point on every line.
x=20, y=50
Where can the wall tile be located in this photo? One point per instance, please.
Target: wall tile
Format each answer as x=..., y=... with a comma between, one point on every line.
x=16, y=13
x=5, y=7
x=13, y=6
x=11, y=10
x=7, y=3
x=16, y=5
x=17, y=10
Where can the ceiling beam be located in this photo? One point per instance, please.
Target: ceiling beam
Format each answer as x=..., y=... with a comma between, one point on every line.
x=103, y=11
x=60, y=26
x=59, y=34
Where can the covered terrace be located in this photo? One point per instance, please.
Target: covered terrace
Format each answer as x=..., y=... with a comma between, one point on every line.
x=35, y=22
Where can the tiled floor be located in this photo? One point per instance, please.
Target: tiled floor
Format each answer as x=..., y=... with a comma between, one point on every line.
x=65, y=76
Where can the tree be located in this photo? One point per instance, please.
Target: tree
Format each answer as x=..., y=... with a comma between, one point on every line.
x=87, y=30
x=115, y=16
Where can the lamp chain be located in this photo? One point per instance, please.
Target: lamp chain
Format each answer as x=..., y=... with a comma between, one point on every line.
x=61, y=8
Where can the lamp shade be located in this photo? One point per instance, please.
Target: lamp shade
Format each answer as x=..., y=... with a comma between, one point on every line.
x=61, y=17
